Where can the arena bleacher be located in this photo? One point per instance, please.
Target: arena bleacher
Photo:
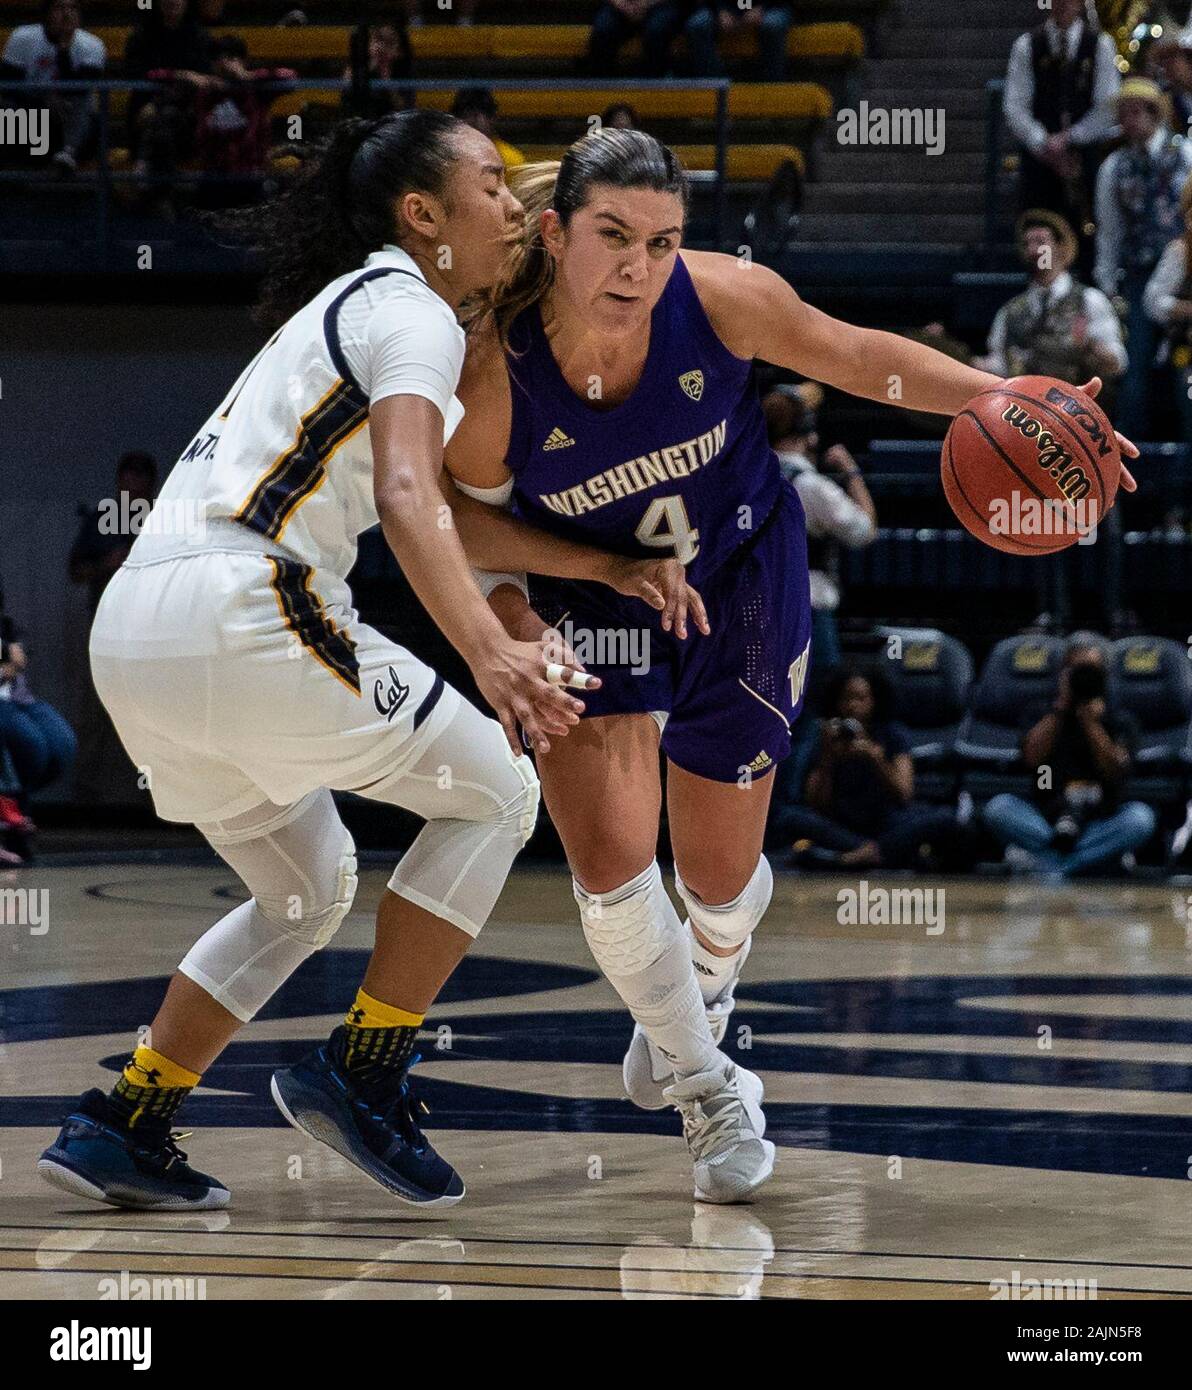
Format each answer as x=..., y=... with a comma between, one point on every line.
x=870, y=234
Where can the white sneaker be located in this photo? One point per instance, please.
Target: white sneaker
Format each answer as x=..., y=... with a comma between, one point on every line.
x=723, y=1125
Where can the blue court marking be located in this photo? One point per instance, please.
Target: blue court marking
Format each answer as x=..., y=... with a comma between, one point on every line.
x=1105, y=1141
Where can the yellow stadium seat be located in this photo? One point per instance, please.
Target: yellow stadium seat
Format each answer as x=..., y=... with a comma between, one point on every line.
x=745, y=163
x=798, y=101
x=294, y=45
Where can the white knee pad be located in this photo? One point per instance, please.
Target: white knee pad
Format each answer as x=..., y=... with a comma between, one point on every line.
x=300, y=868
x=731, y=924
x=521, y=811
x=630, y=927
x=312, y=918
x=637, y=940
x=475, y=829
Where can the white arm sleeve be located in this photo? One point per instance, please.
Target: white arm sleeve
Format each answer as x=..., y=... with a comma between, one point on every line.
x=487, y=580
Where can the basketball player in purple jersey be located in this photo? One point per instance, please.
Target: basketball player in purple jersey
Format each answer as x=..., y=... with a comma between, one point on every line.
x=609, y=399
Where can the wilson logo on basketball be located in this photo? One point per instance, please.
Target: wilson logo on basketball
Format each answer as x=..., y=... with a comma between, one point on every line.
x=1071, y=479
x=1084, y=417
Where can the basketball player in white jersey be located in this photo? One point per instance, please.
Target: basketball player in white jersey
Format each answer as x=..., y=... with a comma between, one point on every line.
x=232, y=662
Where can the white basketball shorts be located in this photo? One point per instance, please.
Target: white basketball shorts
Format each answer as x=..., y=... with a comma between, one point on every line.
x=238, y=678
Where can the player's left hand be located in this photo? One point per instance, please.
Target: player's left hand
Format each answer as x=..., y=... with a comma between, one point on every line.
x=1128, y=447
x=663, y=585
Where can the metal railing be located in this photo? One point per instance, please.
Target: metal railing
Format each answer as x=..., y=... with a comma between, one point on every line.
x=104, y=177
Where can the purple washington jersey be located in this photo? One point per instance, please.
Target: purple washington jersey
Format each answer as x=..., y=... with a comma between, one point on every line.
x=682, y=468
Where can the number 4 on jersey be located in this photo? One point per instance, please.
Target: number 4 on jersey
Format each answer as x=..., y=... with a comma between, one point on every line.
x=666, y=524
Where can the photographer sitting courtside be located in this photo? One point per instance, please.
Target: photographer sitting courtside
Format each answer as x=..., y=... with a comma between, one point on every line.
x=860, y=809
x=1078, y=751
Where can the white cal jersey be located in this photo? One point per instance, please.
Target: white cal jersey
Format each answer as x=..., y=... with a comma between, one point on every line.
x=287, y=454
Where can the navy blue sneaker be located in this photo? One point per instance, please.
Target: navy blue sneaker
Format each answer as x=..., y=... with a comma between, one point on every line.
x=143, y=1168
x=378, y=1133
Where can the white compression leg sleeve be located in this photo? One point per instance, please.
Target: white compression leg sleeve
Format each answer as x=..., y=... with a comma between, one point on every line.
x=299, y=864
x=729, y=925
x=636, y=937
x=480, y=804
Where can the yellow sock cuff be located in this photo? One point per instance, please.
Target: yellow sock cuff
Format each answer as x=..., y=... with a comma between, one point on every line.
x=149, y=1068
x=368, y=1012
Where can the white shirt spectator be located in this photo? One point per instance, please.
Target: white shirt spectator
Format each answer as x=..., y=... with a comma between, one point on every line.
x=1098, y=122
x=831, y=515
x=1110, y=227
x=1163, y=288
x=28, y=48
x=1104, y=326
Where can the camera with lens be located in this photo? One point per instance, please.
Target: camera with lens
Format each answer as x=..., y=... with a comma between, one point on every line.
x=846, y=730
x=1086, y=681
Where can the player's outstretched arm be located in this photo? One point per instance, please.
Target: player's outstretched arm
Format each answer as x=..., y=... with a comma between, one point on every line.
x=866, y=362
x=407, y=441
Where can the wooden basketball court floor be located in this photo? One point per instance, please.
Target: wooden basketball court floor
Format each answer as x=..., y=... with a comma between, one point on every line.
x=1005, y=1100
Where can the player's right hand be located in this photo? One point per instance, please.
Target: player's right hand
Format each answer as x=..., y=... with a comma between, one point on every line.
x=512, y=678
x=663, y=585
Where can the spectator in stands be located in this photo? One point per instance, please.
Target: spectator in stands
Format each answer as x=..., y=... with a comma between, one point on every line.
x=839, y=509
x=1057, y=326
x=859, y=808
x=59, y=49
x=170, y=43
x=477, y=107
x=620, y=116
x=462, y=11
x=1138, y=214
x=35, y=740
x=233, y=117
x=1169, y=62
x=1078, y=753
x=617, y=21
x=1168, y=301
x=390, y=59
x=100, y=548
x=713, y=20
x=1061, y=84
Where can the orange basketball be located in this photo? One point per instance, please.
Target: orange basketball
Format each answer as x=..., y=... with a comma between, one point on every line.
x=1031, y=466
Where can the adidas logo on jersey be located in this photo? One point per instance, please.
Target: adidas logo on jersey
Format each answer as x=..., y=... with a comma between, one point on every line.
x=557, y=439
x=761, y=762
x=693, y=384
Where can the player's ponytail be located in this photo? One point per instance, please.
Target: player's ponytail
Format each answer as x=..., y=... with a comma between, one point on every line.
x=340, y=206
x=617, y=158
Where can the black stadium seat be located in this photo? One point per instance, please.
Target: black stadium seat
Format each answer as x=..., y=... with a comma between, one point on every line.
x=1020, y=672
x=1151, y=678
x=930, y=675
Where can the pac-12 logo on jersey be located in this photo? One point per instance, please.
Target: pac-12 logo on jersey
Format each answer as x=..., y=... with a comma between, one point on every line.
x=693, y=384
x=389, y=700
